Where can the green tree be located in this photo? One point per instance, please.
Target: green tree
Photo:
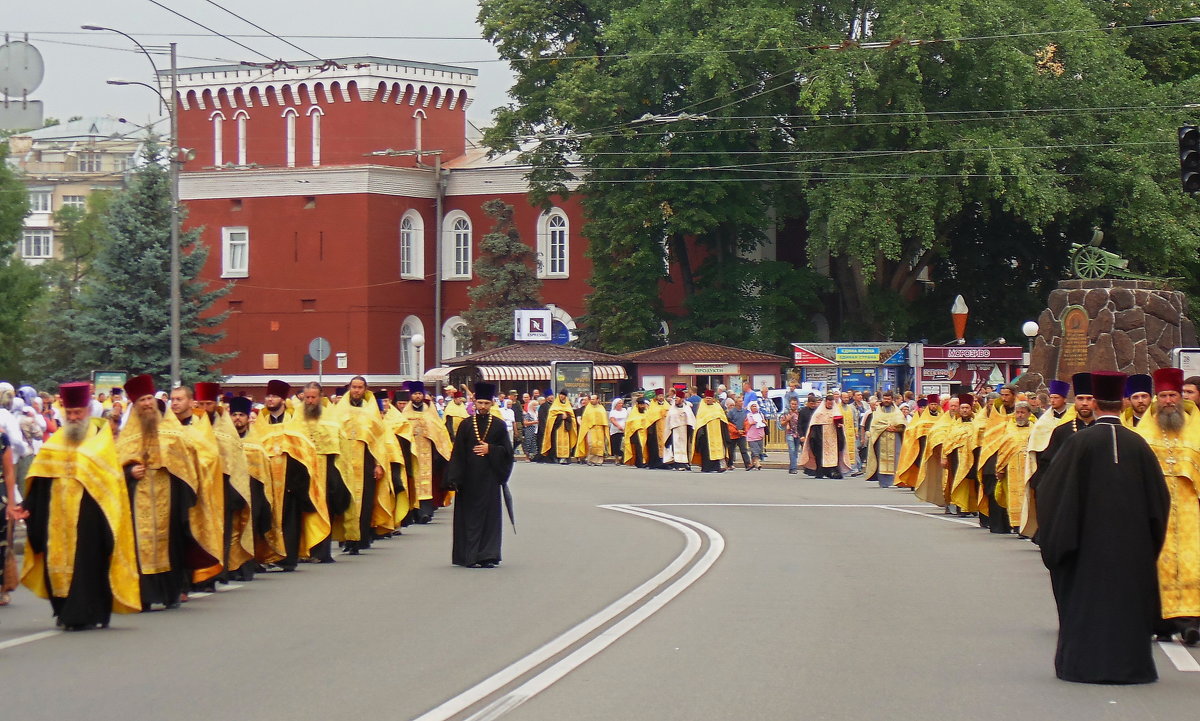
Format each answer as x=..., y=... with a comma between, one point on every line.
x=507, y=281
x=81, y=232
x=894, y=158
x=19, y=285
x=124, y=319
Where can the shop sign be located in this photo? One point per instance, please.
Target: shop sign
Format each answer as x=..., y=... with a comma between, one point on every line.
x=856, y=354
x=1003, y=354
x=820, y=374
x=709, y=369
x=899, y=358
x=854, y=379
x=803, y=357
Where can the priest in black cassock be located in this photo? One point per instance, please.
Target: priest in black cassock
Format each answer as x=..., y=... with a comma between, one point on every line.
x=1102, y=512
x=479, y=466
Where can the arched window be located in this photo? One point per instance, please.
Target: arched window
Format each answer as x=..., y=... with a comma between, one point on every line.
x=241, y=117
x=412, y=246
x=289, y=117
x=554, y=243
x=314, y=114
x=412, y=354
x=453, y=344
x=218, y=121
x=456, y=250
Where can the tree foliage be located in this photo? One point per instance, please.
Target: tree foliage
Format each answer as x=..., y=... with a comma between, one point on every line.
x=80, y=234
x=124, y=321
x=507, y=281
x=19, y=286
x=962, y=159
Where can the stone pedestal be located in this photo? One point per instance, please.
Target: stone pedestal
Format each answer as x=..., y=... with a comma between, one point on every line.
x=1129, y=326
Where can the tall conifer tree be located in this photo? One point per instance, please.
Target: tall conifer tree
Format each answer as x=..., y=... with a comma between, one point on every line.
x=508, y=281
x=124, y=322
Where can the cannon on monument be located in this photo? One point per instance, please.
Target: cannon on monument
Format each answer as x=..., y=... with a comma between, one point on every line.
x=1090, y=262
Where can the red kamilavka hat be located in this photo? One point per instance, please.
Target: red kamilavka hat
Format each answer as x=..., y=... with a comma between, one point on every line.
x=75, y=395
x=139, y=386
x=1168, y=379
x=207, y=391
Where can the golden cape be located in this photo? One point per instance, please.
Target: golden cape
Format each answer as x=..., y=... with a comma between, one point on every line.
x=309, y=443
x=1010, y=470
x=268, y=542
x=456, y=412
x=171, y=454
x=92, y=468
x=363, y=429
x=562, y=440
x=907, y=467
x=880, y=420
x=233, y=464
x=636, y=425
x=711, y=416
x=207, y=517
x=594, y=422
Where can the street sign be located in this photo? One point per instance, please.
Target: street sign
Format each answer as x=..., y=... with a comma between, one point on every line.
x=319, y=349
x=801, y=356
x=1187, y=359
x=574, y=377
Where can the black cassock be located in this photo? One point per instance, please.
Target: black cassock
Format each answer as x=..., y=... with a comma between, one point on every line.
x=1102, y=516
x=478, y=519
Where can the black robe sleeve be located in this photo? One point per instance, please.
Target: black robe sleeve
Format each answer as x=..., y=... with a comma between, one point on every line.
x=1059, y=503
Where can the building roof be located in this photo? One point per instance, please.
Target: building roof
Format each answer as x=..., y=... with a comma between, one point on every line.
x=102, y=127
x=350, y=62
x=699, y=352
x=532, y=353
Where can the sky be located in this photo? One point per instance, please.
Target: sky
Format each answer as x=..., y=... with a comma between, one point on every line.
x=74, y=83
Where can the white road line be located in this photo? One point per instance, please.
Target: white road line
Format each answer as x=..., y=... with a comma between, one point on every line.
x=512, y=672
x=1180, y=656
x=21, y=640
x=940, y=517
x=782, y=505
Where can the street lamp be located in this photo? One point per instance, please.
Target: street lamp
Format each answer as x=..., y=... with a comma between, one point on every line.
x=175, y=157
x=1030, y=329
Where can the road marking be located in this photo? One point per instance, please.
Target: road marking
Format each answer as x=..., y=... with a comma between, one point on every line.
x=782, y=505
x=20, y=640
x=1180, y=656
x=640, y=595
x=940, y=517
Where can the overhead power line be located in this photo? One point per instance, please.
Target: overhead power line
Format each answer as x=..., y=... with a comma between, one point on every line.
x=260, y=27
x=214, y=32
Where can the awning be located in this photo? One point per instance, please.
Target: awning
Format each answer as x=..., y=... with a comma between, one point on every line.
x=440, y=374
x=542, y=373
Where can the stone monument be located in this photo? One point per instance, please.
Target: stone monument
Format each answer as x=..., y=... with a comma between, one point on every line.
x=1114, y=324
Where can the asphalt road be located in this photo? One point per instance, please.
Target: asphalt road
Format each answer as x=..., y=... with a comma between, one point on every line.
x=756, y=595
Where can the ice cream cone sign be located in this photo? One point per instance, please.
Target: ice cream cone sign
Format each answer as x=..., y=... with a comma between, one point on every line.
x=959, y=312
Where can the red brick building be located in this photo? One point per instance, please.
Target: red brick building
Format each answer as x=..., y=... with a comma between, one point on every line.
x=318, y=194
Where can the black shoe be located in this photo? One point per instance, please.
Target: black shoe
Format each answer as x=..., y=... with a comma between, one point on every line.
x=487, y=565
x=331, y=559
x=836, y=476
x=1191, y=635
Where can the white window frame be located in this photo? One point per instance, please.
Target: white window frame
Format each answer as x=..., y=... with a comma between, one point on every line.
x=218, y=121
x=241, y=117
x=289, y=119
x=414, y=244
x=456, y=246
x=314, y=114
x=41, y=201
x=412, y=358
x=228, y=240
x=74, y=201
x=452, y=347
x=546, y=232
x=38, y=240
x=89, y=162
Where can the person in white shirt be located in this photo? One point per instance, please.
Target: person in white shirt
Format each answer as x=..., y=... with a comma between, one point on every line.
x=616, y=427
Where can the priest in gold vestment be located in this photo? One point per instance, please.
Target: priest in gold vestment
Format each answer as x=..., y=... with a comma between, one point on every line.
x=265, y=490
x=916, y=438
x=885, y=441
x=1172, y=429
x=369, y=454
x=306, y=451
x=206, y=518
x=1010, y=463
x=561, y=432
x=239, y=529
x=160, y=469
x=425, y=444
x=79, y=550
x=594, y=442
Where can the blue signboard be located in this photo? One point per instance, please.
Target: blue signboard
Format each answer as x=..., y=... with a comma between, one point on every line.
x=899, y=358
x=559, y=334
x=856, y=379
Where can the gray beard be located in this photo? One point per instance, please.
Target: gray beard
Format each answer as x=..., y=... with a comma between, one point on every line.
x=76, y=431
x=312, y=412
x=1022, y=423
x=1171, y=419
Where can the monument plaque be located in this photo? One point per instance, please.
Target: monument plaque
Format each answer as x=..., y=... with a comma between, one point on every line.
x=1073, y=357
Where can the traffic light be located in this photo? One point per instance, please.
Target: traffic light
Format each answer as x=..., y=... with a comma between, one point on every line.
x=1189, y=158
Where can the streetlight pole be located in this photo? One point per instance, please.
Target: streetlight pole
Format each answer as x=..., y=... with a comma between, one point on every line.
x=175, y=158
